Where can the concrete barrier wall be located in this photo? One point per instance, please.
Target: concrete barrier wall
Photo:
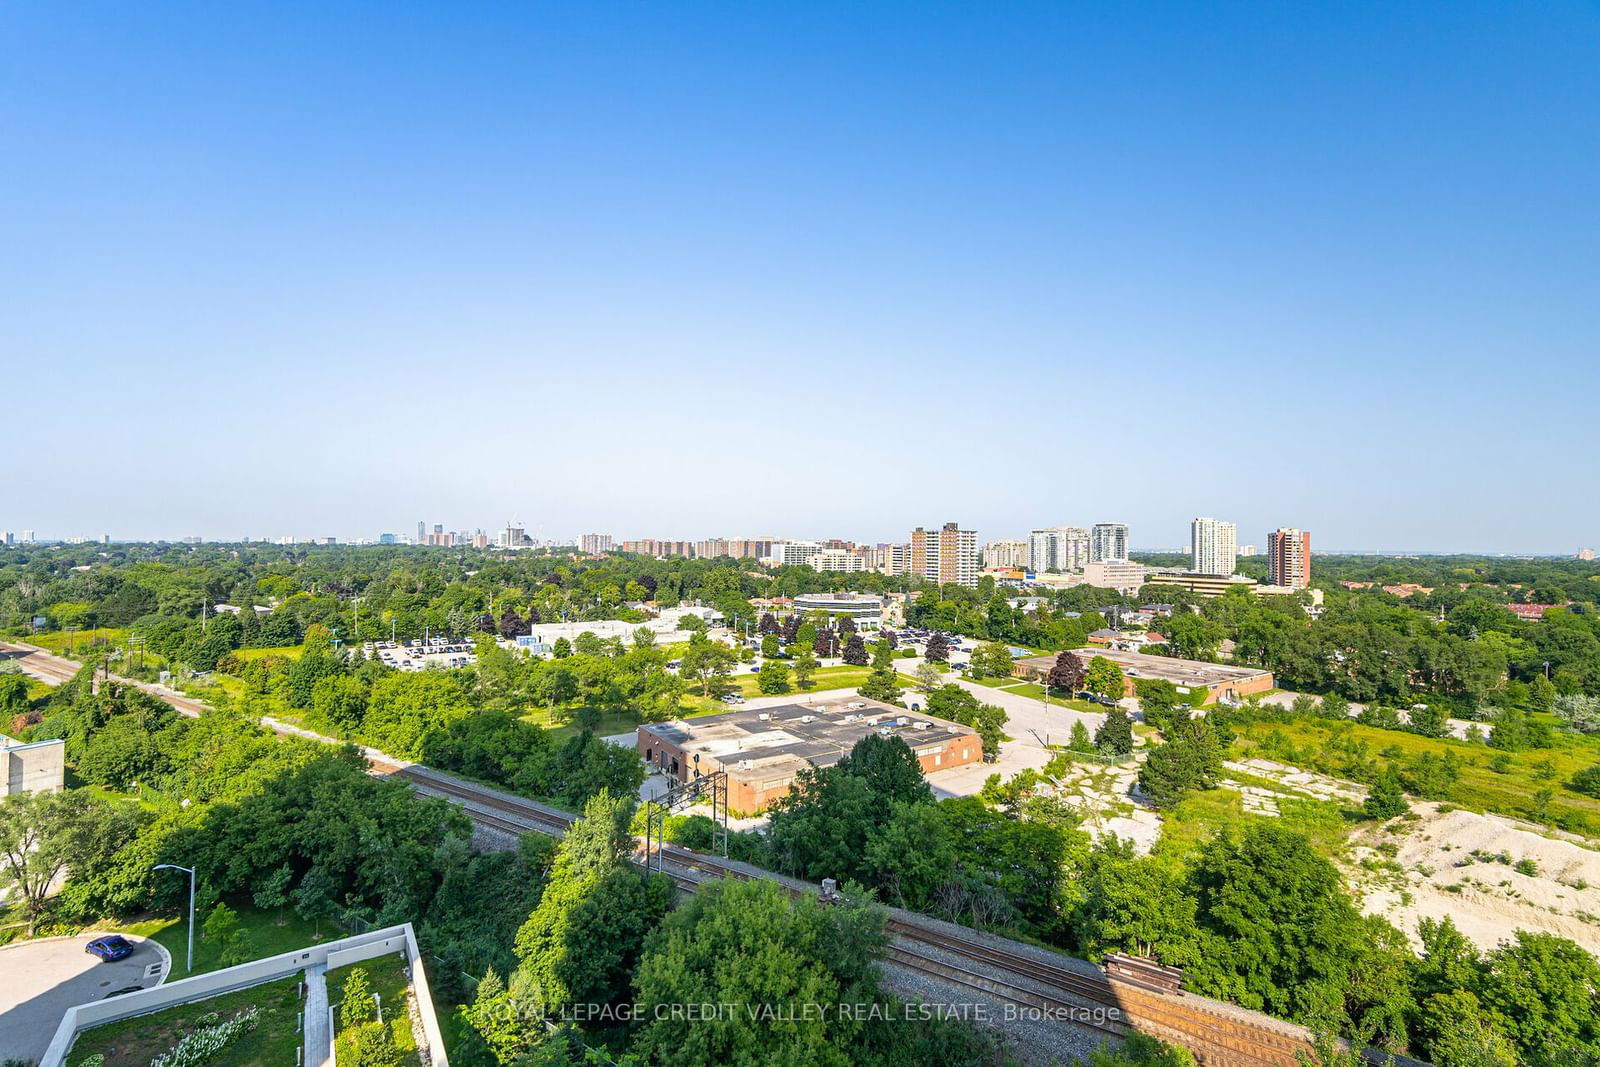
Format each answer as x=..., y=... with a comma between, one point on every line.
x=347, y=950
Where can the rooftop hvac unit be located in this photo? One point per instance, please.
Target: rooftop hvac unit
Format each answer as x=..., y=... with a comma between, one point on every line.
x=901, y=721
x=746, y=765
x=855, y=704
x=922, y=725
x=808, y=718
x=850, y=718
x=763, y=716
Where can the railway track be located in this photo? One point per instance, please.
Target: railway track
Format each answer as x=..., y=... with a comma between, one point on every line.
x=1218, y=1037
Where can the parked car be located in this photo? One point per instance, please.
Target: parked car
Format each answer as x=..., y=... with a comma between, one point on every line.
x=111, y=947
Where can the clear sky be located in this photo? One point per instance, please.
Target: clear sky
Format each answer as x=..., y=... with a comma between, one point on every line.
x=816, y=270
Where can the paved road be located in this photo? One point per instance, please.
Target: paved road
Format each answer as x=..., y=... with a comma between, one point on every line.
x=42, y=979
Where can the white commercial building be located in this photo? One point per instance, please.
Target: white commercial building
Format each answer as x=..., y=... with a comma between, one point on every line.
x=1116, y=574
x=1213, y=546
x=667, y=628
x=1058, y=548
x=866, y=610
x=1108, y=541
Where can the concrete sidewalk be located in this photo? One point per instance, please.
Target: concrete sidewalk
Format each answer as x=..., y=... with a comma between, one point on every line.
x=318, y=1022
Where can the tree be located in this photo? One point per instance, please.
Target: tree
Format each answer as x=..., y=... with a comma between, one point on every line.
x=882, y=684
x=773, y=678
x=855, y=651
x=912, y=854
x=808, y=954
x=40, y=835
x=1579, y=712
x=1191, y=760
x=1066, y=673
x=1115, y=735
x=1457, y=1032
x=956, y=704
x=768, y=624
x=707, y=664
x=992, y=659
x=1540, y=988
x=1135, y=905
x=769, y=646
x=928, y=677
x=562, y=648
x=804, y=667
x=356, y=1003
x=1104, y=678
x=889, y=768
x=581, y=942
x=339, y=700
x=938, y=648
x=1385, y=800
x=272, y=890
x=513, y=625
x=1079, y=740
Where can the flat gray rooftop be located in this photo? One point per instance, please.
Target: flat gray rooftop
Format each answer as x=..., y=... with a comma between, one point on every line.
x=1184, y=672
x=821, y=733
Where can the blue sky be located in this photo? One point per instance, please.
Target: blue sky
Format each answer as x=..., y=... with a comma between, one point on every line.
x=687, y=270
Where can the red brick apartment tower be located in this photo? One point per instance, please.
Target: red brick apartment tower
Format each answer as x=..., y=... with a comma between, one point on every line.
x=1289, y=557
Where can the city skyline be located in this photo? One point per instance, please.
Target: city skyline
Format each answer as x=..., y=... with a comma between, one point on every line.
x=1127, y=262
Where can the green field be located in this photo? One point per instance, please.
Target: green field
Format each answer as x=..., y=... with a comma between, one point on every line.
x=1479, y=788
x=386, y=976
x=1199, y=817
x=286, y=652
x=270, y=934
x=747, y=685
x=134, y=1042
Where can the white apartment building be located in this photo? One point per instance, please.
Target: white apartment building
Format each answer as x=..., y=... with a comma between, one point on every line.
x=1213, y=546
x=1009, y=554
x=1058, y=548
x=838, y=561
x=793, y=553
x=892, y=559
x=595, y=544
x=1108, y=541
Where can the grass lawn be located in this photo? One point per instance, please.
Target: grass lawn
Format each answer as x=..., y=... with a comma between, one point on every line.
x=1480, y=788
x=268, y=934
x=386, y=976
x=747, y=685
x=60, y=641
x=1201, y=816
x=290, y=652
x=134, y=1042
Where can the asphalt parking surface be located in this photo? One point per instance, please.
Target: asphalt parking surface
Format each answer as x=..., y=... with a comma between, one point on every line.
x=40, y=980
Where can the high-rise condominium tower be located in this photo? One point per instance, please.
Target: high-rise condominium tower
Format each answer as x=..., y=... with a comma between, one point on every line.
x=948, y=554
x=1213, y=546
x=1058, y=548
x=1108, y=540
x=1289, y=557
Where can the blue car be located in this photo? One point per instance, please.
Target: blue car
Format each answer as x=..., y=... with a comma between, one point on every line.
x=113, y=947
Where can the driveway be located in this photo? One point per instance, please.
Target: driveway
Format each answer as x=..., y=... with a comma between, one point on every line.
x=46, y=977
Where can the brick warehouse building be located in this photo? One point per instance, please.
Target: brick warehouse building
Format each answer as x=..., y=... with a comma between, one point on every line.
x=762, y=750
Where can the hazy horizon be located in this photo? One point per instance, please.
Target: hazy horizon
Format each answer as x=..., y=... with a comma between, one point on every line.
x=843, y=270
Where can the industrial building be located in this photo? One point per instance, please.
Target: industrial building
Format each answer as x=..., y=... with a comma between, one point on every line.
x=762, y=750
x=1220, y=681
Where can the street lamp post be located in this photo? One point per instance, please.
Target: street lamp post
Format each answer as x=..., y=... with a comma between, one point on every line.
x=189, y=965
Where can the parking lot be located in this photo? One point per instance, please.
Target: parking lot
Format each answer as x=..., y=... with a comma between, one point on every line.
x=444, y=653
x=46, y=977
